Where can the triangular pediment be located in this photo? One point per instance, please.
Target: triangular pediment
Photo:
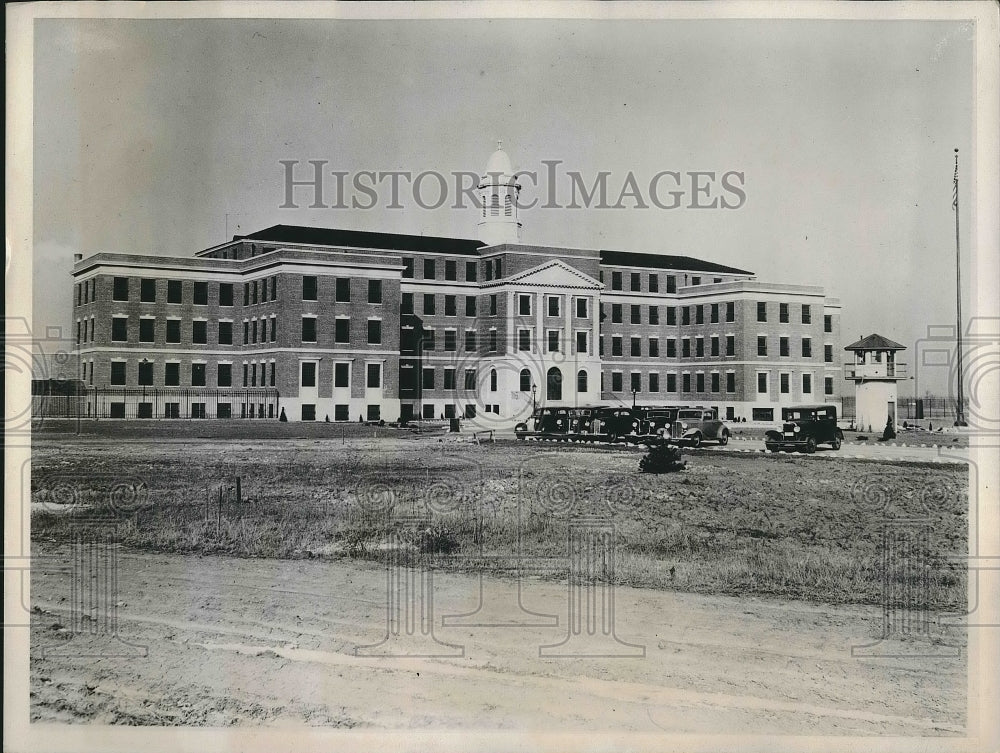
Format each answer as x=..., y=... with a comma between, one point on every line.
x=553, y=274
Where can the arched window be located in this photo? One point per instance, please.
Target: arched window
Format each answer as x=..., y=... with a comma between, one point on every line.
x=525, y=380
x=581, y=381
x=493, y=380
x=553, y=384
x=495, y=204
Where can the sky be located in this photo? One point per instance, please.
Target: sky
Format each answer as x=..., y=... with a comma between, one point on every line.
x=167, y=136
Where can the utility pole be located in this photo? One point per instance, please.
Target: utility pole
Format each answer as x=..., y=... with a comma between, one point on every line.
x=960, y=408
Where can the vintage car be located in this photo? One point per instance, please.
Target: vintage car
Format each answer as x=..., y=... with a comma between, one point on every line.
x=617, y=422
x=805, y=426
x=546, y=421
x=658, y=421
x=694, y=425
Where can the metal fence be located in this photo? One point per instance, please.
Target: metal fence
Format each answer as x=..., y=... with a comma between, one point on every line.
x=911, y=408
x=154, y=403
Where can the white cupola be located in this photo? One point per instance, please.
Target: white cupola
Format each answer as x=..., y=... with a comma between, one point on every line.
x=498, y=194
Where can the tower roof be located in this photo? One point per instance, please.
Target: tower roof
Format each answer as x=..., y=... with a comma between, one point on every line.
x=875, y=342
x=499, y=163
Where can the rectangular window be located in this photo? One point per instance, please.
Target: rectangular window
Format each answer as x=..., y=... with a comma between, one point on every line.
x=428, y=341
x=699, y=314
x=145, y=374
x=470, y=379
x=119, y=291
x=470, y=305
x=783, y=346
x=374, y=331
x=783, y=383
x=553, y=304
x=374, y=291
x=147, y=291
x=685, y=382
x=581, y=342
x=197, y=375
x=616, y=313
x=671, y=316
x=449, y=379
x=671, y=383
x=118, y=372
x=730, y=381
x=715, y=345
x=341, y=375
x=654, y=382
x=827, y=323
x=807, y=384
x=308, y=373
x=828, y=386
x=309, y=411
x=616, y=280
x=222, y=410
x=199, y=332
x=686, y=347
x=253, y=331
x=308, y=329
x=524, y=339
x=493, y=305
x=524, y=304
x=616, y=345
x=147, y=330
x=685, y=314
x=806, y=314
x=450, y=270
x=246, y=373
x=654, y=314
x=253, y=292
x=761, y=346
x=730, y=345
x=552, y=345
x=807, y=347
x=450, y=305
x=654, y=283
x=119, y=329
x=581, y=308
x=635, y=382
x=635, y=346
x=374, y=380
x=716, y=384
x=470, y=341
x=427, y=381
x=699, y=347
x=493, y=341
x=450, y=340
x=310, y=288
x=762, y=383
x=731, y=311
x=699, y=382
x=225, y=294
x=783, y=313
x=224, y=375
x=201, y=294
x=671, y=283
x=635, y=282
x=172, y=374
x=342, y=293
x=406, y=303
x=715, y=313
x=635, y=314
x=428, y=269
x=616, y=381
x=470, y=271
x=246, y=293
x=671, y=347
x=429, y=306
x=407, y=268
x=761, y=311
x=342, y=330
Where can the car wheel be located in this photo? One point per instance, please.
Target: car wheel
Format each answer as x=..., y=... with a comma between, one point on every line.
x=696, y=440
x=837, y=440
x=770, y=447
x=724, y=438
x=810, y=445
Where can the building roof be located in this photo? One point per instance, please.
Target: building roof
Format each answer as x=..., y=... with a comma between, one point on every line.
x=875, y=342
x=320, y=236
x=662, y=261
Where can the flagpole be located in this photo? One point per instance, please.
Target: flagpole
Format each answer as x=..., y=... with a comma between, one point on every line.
x=960, y=408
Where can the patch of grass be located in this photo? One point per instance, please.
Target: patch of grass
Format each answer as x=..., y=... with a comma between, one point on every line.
x=734, y=524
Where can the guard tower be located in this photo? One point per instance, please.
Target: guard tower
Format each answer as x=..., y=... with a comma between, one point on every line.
x=875, y=372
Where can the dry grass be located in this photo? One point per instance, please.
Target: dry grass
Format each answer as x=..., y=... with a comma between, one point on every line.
x=790, y=526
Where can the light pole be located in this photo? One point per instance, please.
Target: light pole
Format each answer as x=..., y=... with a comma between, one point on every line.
x=960, y=412
x=533, y=388
x=634, y=390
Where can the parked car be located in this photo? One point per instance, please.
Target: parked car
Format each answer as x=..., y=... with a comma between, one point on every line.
x=547, y=421
x=694, y=425
x=658, y=421
x=804, y=427
x=617, y=422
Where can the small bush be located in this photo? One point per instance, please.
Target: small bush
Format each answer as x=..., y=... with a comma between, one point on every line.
x=662, y=459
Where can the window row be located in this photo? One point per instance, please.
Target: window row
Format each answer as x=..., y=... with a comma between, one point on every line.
x=552, y=305
x=342, y=412
x=429, y=269
x=784, y=348
x=670, y=351
x=694, y=313
x=784, y=384
x=341, y=330
x=653, y=383
x=308, y=371
x=176, y=331
x=805, y=312
x=652, y=279
x=195, y=375
x=342, y=289
x=151, y=290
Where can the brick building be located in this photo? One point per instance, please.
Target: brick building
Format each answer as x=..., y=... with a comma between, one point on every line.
x=345, y=325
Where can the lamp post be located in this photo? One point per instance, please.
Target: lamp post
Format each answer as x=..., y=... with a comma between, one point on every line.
x=533, y=388
x=634, y=390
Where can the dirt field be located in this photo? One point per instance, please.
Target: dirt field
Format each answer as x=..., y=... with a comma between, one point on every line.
x=263, y=642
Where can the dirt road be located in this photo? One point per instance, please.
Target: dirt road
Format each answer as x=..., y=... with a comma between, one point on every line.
x=250, y=642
